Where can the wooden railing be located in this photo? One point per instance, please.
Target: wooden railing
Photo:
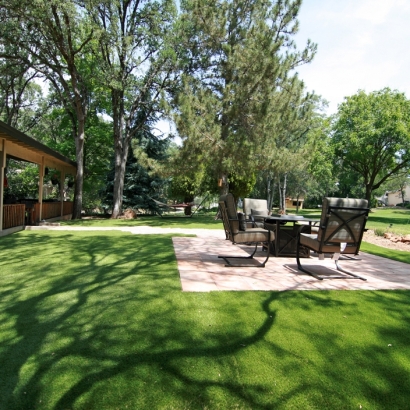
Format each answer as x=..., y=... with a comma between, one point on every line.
x=51, y=210
x=23, y=214
x=13, y=215
x=68, y=208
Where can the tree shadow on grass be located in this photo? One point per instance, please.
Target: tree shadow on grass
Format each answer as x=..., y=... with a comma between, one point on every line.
x=96, y=307
x=403, y=218
x=97, y=320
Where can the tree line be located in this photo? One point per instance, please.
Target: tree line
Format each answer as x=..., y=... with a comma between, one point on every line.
x=223, y=71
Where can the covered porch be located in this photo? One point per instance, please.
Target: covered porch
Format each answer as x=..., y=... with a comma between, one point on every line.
x=16, y=213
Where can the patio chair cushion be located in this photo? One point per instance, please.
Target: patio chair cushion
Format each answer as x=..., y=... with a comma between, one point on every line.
x=256, y=205
x=256, y=212
x=310, y=240
x=252, y=235
x=333, y=224
x=259, y=216
x=242, y=221
x=230, y=206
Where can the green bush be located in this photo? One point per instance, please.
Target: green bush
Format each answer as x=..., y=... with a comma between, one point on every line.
x=379, y=231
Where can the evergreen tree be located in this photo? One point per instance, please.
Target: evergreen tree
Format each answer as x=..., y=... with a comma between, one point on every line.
x=140, y=182
x=238, y=82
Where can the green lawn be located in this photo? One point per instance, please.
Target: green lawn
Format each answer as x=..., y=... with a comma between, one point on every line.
x=381, y=218
x=198, y=221
x=97, y=320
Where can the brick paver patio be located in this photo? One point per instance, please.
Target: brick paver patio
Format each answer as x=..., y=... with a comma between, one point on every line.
x=201, y=270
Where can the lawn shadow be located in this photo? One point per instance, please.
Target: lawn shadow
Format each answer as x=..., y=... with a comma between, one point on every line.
x=98, y=320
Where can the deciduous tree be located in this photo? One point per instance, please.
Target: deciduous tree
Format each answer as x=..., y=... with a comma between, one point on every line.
x=53, y=37
x=371, y=135
x=135, y=64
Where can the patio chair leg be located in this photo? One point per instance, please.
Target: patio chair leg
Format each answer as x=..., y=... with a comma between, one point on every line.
x=300, y=267
x=348, y=272
x=350, y=258
x=338, y=267
x=257, y=265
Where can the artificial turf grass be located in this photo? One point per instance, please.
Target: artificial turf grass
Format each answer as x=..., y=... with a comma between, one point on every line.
x=198, y=221
x=396, y=255
x=97, y=320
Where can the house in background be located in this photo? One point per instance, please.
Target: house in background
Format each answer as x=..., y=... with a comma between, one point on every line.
x=292, y=203
x=392, y=198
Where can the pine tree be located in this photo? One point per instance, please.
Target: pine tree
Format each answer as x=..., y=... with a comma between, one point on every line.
x=238, y=82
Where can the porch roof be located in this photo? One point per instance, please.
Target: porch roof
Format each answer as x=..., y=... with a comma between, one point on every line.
x=21, y=146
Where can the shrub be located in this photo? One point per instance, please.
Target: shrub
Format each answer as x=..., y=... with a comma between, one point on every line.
x=379, y=231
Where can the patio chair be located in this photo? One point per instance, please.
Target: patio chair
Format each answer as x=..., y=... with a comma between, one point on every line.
x=341, y=228
x=239, y=231
x=255, y=209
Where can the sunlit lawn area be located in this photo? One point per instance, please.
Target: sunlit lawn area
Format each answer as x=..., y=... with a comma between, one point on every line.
x=97, y=320
x=381, y=218
x=198, y=221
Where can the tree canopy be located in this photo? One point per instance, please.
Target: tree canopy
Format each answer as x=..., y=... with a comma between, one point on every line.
x=225, y=71
x=371, y=136
x=239, y=92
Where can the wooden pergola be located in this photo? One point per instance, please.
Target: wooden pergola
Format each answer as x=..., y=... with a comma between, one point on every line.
x=17, y=145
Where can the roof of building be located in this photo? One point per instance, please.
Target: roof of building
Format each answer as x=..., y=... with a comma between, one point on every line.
x=21, y=146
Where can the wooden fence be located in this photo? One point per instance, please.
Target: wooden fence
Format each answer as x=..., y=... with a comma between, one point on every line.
x=51, y=210
x=23, y=214
x=13, y=215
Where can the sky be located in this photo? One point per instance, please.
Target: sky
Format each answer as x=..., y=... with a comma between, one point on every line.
x=362, y=45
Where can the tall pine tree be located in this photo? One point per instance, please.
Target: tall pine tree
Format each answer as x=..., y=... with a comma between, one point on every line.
x=238, y=82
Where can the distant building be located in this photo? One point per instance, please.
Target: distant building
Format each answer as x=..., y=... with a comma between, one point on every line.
x=392, y=198
x=294, y=203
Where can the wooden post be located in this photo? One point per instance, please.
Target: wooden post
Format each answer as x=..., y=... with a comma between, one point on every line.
x=62, y=179
x=2, y=165
x=40, y=188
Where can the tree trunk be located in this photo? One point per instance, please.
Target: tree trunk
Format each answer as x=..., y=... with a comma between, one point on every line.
x=223, y=184
x=120, y=164
x=368, y=192
x=282, y=190
x=269, y=191
x=188, y=210
x=280, y=194
x=121, y=146
x=79, y=180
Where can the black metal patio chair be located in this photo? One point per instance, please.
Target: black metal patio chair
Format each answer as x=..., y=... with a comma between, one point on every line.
x=340, y=232
x=239, y=231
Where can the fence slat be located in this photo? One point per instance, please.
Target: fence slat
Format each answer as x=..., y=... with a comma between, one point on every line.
x=13, y=215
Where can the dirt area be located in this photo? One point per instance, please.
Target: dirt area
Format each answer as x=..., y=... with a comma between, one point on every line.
x=370, y=237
